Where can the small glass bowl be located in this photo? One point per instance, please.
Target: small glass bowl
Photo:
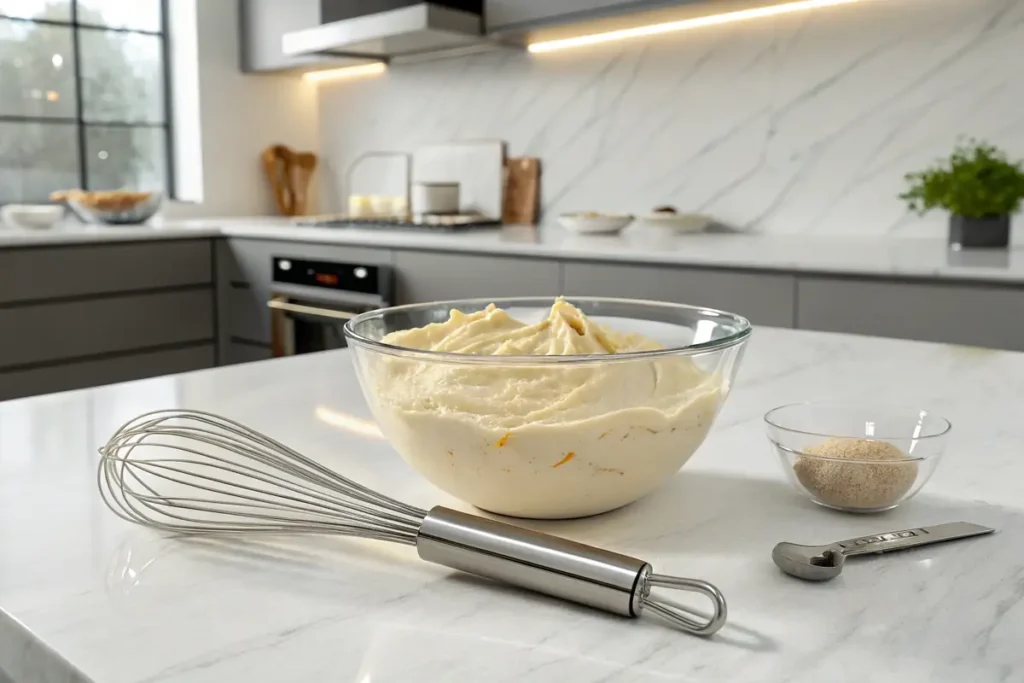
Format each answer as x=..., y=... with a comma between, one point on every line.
x=844, y=456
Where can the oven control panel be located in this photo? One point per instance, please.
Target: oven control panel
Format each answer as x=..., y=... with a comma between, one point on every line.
x=344, y=277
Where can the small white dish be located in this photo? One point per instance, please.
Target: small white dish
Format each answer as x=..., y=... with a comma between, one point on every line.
x=592, y=223
x=31, y=217
x=678, y=222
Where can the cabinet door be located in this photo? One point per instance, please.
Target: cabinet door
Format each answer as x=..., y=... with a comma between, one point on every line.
x=765, y=299
x=939, y=312
x=513, y=14
x=424, y=276
x=264, y=22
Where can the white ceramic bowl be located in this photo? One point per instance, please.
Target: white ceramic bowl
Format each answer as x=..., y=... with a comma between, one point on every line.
x=31, y=217
x=677, y=222
x=596, y=446
x=594, y=223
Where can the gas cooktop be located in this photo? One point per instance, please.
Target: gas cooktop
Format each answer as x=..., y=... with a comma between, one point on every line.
x=446, y=223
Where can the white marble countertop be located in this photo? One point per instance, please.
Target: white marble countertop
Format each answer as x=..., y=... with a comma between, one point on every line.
x=85, y=596
x=910, y=258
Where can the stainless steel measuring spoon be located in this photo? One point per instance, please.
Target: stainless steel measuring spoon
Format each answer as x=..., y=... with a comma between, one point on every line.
x=824, y=562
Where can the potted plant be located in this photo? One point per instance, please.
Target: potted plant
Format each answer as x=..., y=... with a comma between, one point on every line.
x=979, y=187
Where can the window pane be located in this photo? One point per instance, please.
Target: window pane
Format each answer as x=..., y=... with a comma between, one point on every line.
x=121, y=157
x=141, y=15
x=36, y=159
x=37, y=73
x=122, y=76
x=55, y=10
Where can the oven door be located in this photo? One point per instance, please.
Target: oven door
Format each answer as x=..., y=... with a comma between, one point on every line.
x=307, y=325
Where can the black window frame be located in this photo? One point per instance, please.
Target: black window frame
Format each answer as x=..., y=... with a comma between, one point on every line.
x=81, y=125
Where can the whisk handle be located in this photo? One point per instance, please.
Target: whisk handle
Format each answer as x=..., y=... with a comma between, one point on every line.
x=564, y=569
x=529, y=559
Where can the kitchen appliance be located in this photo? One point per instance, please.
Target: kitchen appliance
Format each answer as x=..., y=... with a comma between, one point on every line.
x=194, y=472
x=824, y=562
x=310, y=301
x=393, y=30
x=458, y=223
x=478, y=166
x=435, y=199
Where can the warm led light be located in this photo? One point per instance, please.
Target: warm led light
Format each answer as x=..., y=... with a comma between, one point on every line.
x=685, y=24
x=346, y=72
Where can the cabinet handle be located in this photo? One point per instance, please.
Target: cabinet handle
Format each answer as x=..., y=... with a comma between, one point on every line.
x=310, y=310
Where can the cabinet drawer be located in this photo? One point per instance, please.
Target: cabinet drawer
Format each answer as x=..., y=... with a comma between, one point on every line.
x=32, y=274
x=765, y=299
x=939, y=312
x=424, y=276
x=49, y=332
x=18, y=383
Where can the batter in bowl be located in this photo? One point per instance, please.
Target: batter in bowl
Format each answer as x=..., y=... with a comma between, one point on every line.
x=545, y=439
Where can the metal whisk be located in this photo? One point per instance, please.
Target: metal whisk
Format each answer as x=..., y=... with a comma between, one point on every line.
x=194, y=472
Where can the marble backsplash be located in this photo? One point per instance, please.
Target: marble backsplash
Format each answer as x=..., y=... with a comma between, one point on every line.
x=802, y=123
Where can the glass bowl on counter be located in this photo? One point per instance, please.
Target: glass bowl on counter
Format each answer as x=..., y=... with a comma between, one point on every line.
x=550, y=436
x=114, y=207
x=857, y=458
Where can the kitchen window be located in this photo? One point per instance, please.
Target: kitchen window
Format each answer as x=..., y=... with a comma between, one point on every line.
x=83, y=97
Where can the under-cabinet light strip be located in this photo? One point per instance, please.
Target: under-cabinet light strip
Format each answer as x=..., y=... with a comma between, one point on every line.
x=684, y=24
x=346, y=72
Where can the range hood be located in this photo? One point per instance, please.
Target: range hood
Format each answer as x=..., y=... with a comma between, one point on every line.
x=413, y=31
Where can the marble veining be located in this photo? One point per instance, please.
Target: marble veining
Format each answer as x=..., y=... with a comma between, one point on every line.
x=803, y=123
x=86, y=597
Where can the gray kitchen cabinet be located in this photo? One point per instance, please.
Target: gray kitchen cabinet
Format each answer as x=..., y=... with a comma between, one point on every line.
x=40, y=273
x=93, y=373
x=84, y=314
x=262, y=25
x=512, y=15
x=238, y=351
x=951, y=313
x=244, y=287
x=65, y=330
x=425, y=276
x=764, y=298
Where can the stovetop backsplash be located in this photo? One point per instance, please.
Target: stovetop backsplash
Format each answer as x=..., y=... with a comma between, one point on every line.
x=798, y=123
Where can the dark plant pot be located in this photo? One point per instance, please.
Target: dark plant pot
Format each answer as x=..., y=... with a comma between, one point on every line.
x=988, y=232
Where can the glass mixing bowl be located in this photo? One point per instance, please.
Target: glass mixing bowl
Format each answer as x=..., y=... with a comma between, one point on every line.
x=550, y=436
x=857, y=457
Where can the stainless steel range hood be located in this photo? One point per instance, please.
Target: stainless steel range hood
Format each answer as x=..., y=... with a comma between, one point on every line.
x=415, y=31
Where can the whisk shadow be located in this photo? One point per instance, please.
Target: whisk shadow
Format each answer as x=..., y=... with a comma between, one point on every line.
x=731, y=634
x=311, y=563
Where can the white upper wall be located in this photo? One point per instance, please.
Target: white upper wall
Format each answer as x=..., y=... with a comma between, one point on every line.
x=799, y=123
x=239, y=115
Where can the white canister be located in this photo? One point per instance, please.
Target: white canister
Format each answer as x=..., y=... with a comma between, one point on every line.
x=435, y=198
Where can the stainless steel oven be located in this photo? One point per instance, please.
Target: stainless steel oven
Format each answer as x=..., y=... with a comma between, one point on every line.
x=310, y=301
